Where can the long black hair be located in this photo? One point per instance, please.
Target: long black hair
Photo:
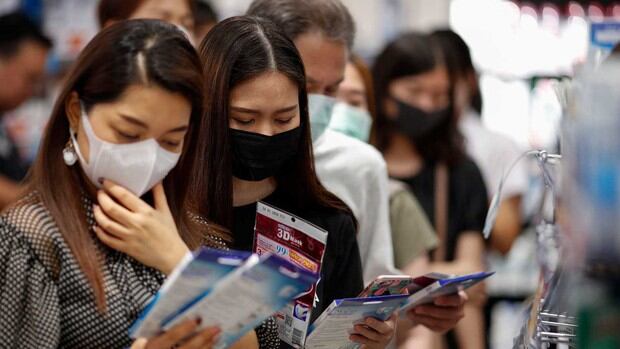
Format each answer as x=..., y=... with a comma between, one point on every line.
x=408, y=55
x=235, y=51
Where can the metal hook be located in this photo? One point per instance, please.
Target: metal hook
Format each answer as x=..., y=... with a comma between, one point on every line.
x=543, y=158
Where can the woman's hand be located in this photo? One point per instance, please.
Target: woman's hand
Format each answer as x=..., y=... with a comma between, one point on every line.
x=442, y=315
x=129, y=225
x=477, y=295
x=374, y=334
x=181, y=336
x=249, y=341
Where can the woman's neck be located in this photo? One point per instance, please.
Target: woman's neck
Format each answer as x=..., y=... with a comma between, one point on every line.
x=402, y=157
x=248, y=192
x=87, y=187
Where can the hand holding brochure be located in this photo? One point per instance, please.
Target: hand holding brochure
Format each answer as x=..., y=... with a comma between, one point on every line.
x=193, y=278
x=234, y=291
x=399, y=293
x=333, y=328
x=437, y=285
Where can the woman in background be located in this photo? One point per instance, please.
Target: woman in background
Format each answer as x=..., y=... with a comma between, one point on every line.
x=412, y=234
x=416, y=131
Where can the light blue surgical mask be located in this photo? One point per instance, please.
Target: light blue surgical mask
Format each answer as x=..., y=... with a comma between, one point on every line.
x=352, y=121
x=320, y=108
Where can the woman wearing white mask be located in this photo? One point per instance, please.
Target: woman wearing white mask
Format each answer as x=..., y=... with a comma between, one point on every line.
x=81, y=256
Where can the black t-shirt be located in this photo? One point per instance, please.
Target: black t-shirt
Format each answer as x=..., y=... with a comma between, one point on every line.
x=11, y=164
x=341, y=271
x=467, y=199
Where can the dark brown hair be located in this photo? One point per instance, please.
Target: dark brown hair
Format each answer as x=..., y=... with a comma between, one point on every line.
x=296, y=17
x=236, y=50
x=103, y=71
x=408, y=55
x=120, y=10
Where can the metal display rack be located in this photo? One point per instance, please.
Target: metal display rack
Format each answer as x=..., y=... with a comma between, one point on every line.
x=549, y=325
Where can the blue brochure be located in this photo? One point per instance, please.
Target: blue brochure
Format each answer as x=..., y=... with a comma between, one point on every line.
x=234, y=291
x=442, y=287
x=333, y=328
x=191, y=280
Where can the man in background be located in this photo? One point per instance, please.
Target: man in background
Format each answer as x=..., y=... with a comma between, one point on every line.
x=23, y=54
x=323, y=31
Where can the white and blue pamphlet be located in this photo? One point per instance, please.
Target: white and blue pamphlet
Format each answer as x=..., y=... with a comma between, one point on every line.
x=235, y=291
x=443, y=286
x=192, y=279
x=333, y=328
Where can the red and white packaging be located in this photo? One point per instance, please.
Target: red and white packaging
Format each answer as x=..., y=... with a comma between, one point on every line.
x=301, y=243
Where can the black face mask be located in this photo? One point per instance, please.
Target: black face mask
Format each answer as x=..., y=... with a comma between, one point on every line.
x=417, y=123
x=257, y=157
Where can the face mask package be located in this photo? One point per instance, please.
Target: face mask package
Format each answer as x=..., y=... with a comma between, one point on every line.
x=300, y=243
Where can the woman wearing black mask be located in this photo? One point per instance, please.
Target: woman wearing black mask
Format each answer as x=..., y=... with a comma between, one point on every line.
x=417, y=133
x=257, y=117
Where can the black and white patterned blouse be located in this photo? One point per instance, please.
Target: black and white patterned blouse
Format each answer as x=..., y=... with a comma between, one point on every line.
x=47, y=302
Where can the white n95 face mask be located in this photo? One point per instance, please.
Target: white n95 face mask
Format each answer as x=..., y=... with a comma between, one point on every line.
x=138, y=166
